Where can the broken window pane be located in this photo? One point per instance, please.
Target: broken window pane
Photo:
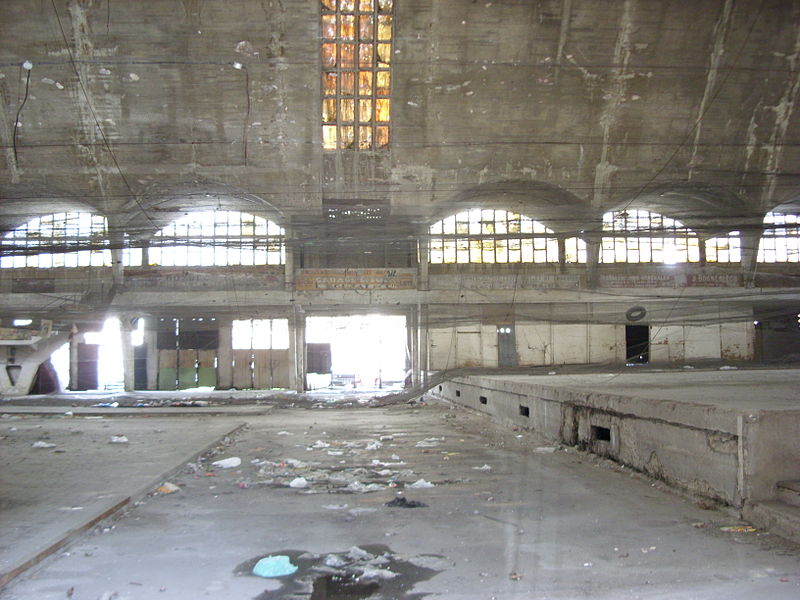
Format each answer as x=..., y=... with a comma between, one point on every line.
x=385, y=5
x=347, y=5
x=366, y=5
x=329, y=4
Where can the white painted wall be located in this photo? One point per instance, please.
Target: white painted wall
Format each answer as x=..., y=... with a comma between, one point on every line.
x=542, y=343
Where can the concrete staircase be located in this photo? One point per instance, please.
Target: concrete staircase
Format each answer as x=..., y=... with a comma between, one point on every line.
x=780, y=516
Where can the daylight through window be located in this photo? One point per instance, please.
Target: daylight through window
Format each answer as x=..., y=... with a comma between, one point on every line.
x=356, y=52
x=69, y=239
x=780, y=242
x=641, y=236
x=218, y=238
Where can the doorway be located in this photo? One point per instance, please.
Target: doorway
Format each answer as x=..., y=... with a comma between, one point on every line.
x=637, y=344
x=361, y=351
x=506, y=346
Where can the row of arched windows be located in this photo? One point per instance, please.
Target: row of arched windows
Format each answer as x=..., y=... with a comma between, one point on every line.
x=219, y=238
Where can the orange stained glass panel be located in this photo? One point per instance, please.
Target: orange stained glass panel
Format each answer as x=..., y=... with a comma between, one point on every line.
x=346, y=137
x=348, y=83
x=384, y=27
x=347, y=56
x=347, y=111
x=329, y=84
x=382, y=110
x=385, y=53
x=347, y=27
x=365, y=138
x=365, y=55
x=366, y=5
x=328, y=55
x=347, y=5
x=329, y=137
x=329, y=27
x=366, y=28
x=365, y=111
x=382, y=137
x=384, y=83
x=329, y=110
x=329, y=4
x=385, y=5
x=365, y=83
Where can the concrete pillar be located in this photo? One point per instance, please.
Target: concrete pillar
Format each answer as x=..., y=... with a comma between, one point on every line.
x=297, y=349
x=412, y=335
x=29, y=358
x=424, y=283
x=592, y=260
x=225, y=353
x=288, y=276
x=422, y=342
x=75, y=340
x=151, y=342
x=128, y=362
x=749, y=245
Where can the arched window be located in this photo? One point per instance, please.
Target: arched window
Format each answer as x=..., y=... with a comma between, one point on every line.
x=641, y=236
x=491, y=236
x=780, y=242
x=218, y=238
x=726, y=249
x=68, y=239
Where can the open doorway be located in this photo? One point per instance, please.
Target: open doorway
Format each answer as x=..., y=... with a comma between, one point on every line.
x=360, y=351
x=637, y=344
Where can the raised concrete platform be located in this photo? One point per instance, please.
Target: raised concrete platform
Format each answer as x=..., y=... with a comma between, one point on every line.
x=728, y=435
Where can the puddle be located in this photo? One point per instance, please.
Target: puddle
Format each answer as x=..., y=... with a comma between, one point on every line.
x=368, y=571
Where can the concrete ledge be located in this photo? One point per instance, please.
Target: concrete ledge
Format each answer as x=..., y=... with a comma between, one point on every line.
x=779, y=517
x=105, y=511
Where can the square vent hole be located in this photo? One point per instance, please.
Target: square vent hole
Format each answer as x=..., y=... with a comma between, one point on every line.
x=601, y=434
x=483, y=400
x=524, y=411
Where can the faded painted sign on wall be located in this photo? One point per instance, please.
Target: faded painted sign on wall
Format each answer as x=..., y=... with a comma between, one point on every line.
x=356, y=279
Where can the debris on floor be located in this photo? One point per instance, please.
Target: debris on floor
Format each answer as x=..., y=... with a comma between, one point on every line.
x=227, y=463
x=167, y=488
x=738, y=529
x=42, y=444
x=118, y=439
x=274, y=566
x=403, y=502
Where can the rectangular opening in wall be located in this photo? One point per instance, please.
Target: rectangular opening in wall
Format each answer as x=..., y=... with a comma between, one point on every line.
x=483, y=400
x=440, y=388
x=524, y=411
x=637, y=344
x=458, y=393
x=601, y=434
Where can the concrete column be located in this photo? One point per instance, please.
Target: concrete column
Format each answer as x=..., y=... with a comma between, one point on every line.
x=424, y=283
x=749, y=245
x=412, y=335
x=75, y=340
x=151, y=342
x=29, y=359
x=225, y=354
x=297, y=349
x=288, y=276
x=592, y=260
x=422, y=343
x=128, y=362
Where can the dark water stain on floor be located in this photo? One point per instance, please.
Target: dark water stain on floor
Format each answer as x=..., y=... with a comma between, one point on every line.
x=375, y=572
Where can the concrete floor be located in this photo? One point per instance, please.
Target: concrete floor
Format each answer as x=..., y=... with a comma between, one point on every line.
x=534, y=524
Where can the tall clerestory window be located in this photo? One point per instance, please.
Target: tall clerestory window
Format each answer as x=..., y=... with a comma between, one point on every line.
x=356, y=73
